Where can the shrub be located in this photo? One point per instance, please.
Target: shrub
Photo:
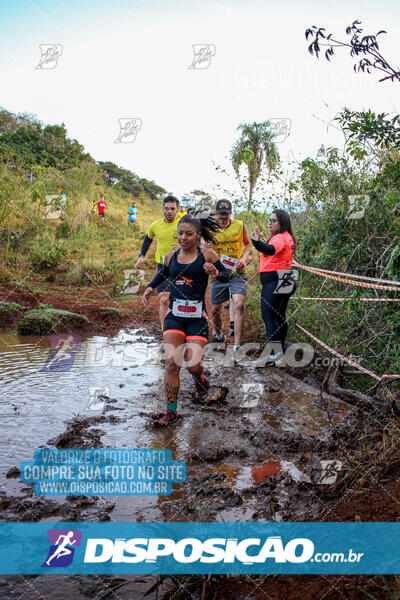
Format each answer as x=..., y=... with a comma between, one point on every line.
x=45, y=319
x=12, y=237
x=63, y=230
x=88, y=272
x=46, y=254
x=9, y=307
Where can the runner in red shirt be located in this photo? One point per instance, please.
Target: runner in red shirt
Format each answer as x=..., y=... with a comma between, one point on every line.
x=101, y=205
x=277, y=279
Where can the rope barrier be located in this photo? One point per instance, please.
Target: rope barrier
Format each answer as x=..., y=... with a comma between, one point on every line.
x=347, y=360
x=349, y=274
x=349, y=281
x=344, y=299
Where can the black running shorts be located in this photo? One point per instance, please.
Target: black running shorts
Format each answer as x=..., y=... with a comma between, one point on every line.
x=189, y=328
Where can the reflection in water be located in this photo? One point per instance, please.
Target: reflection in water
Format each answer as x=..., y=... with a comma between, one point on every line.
x=36, y=400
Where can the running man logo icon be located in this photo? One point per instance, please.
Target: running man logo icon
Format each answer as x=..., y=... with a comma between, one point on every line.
x=62, y=547
x=55, y=204
x=203, y=54
x=280, y=128
x=287, y=281
x=62, y=353
x=252, y=393
x=97, y=396
x=133, y=277
x=357, y=206
x=329, y=471
x=128, y=129
x=50, y=55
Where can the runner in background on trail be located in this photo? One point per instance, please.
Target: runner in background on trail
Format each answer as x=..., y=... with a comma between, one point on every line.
x=187, y=270
x=63, y=199
x=92, y=206
x=132, y=212
x=165, y=232
x=233, y=248
x=101, y=205
x=277, y=279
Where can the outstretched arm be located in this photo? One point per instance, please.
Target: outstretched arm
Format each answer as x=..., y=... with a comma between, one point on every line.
x=161, y=276
x=263, y=247
x=145, y=247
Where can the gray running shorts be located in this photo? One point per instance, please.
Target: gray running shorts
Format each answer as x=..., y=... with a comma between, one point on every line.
x=220, y=292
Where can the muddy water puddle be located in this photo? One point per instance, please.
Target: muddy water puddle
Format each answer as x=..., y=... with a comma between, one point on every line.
x=36, y=400
x=238, y=452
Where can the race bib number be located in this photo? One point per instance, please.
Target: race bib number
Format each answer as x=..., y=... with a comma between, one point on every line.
x=187, y=308
x=229, y=262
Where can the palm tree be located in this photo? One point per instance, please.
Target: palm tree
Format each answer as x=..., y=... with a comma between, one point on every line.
x=256, y=149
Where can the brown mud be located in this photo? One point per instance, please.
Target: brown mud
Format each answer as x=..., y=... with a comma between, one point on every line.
x=105, y=313
x=246, y=461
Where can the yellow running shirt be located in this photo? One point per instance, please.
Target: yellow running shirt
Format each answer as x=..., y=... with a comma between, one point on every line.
x=230, y=243
x=166, y=236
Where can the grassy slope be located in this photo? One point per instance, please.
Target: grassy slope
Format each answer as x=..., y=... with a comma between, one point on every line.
x=78, y=249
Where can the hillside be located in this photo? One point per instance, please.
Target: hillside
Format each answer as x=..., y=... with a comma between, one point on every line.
x=62, y=261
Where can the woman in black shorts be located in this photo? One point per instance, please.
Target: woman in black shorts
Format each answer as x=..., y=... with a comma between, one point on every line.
x=188, y=270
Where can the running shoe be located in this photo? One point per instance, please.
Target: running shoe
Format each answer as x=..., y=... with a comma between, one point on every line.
x=216, y=393
x=168, y=418
x=238, y=355
x=201, y=384
x=231, y=329
x=271, y=360
x=280, y=363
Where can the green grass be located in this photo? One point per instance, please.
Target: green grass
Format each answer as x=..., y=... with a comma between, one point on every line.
x=46, y=319
x=9, y=307
x=78, y=249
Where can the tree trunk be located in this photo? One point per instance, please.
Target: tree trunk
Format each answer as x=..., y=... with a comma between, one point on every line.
x=250, y=200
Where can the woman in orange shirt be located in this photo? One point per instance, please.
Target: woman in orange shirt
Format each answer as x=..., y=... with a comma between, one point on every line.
x=277, y=279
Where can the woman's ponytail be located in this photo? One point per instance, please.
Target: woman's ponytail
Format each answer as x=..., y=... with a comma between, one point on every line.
x=205, y=224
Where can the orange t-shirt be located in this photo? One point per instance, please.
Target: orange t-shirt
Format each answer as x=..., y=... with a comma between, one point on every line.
x=284, y=253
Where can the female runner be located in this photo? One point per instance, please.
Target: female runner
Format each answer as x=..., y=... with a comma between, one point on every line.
x=188, y=269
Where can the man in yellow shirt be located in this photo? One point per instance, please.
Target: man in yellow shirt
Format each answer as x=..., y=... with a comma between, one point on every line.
x=164, y=230
x=233, y=248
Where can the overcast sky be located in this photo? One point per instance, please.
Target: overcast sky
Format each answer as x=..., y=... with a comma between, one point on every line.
x=130, y=59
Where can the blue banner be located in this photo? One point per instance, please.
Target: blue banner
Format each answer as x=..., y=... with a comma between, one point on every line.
x=200, y=548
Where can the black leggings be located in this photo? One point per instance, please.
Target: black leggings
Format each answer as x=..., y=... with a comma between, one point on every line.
x=273, y=307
